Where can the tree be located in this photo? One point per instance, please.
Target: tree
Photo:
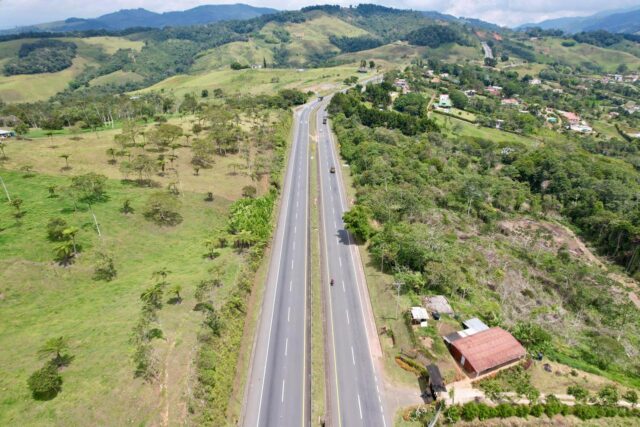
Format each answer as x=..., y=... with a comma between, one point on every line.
x=608, y=395
x=490, y=62
x=45, y=383
x=126, y=207
x=580, y=393
x=90, y=187
x=54, y=349
x=357, y=221
x=175, y=290
x=458, y=99
x=204, y=93
x=162, y=208
x=264, y=62
x=21, y=129
x=249, y=191
x=372, y=64
x=69, y=234
x=16, y=203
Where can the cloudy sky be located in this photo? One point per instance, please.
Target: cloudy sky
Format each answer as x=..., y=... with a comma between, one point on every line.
x=504, y=12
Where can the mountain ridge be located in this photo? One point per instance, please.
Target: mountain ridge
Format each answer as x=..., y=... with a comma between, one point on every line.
x=614, y=21
x=140, y=17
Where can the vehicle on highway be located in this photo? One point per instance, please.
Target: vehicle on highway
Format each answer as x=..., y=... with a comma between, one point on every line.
x=324, y=121
x=332, y=169
x=331, y=282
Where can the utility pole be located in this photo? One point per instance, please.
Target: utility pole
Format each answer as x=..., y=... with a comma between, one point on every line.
x=5, y=190
x=398, y=285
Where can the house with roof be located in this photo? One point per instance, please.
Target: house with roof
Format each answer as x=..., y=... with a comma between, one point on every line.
x=571, y=118
x=494, y=90
x=419, y=316
x=403, y=85
x=444, y=101
x=510, y=102
x=7, y=134
x=438, y=304
x=484, y=351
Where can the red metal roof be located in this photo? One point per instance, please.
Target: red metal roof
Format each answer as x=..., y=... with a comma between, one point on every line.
x=489, y=349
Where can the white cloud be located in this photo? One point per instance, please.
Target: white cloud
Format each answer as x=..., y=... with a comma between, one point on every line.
x=504, y=12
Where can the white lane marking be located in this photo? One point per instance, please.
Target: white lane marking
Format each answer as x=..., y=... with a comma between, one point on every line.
x=353, y=357
x=282, y=395
x=295, y=229
x=296, y=215
x=359, y=405
x=343, y=288
x=288, y=313
x=290, y=285
x=340, y=261
x=294, y=245
x=286, y=347
x=297, y=204
x=333, y=210
x=348, y=321
x=377, y=389
x=335, y=225
x=292, y=264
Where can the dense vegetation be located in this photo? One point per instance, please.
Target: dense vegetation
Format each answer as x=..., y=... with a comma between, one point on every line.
x=42, y=56
x=355, y=44
x=425, y=190
x=434, y=36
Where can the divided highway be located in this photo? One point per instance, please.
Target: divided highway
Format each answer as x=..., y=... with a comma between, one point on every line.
x=278, y=388
x=356, y=388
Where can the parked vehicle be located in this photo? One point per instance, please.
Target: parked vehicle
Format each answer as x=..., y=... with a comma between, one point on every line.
x=333, y=169
x=324, y=121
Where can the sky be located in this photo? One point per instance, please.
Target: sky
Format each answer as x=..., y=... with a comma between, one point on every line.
x=503, y=12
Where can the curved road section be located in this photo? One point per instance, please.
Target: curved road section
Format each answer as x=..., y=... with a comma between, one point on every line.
x=354, y=384
x=278, y=389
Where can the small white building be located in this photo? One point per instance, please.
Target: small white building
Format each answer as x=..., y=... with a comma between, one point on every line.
x=419, y=316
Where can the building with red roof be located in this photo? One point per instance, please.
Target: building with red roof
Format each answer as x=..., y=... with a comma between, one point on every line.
x=486, y=350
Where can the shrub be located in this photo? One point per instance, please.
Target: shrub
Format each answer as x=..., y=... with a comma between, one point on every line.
x=609, y=395
x=45, y=383
x=55, y=229
x=162, y=208
x=104, y=269
x=580, y=393
x=470, y=411
x=249, y=191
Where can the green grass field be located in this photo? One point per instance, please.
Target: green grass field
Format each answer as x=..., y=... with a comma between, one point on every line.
x=40, y=299
x=117, y=77
x=581, y=54
x=257, y=81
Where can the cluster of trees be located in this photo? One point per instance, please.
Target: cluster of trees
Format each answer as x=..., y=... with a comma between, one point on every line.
x=42, y=56
x=355, y=44
x=351, y=105
x=434, y=36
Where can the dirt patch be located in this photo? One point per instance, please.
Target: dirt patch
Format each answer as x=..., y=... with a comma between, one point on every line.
x=548, y=236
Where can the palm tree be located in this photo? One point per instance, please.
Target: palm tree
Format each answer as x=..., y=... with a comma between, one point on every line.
x=70, y=235
x=66, y=160
x=64, y=252
x=53, y=348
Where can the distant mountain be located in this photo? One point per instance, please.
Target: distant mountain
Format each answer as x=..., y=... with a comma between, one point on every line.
x=618, y=21
x=129, y=18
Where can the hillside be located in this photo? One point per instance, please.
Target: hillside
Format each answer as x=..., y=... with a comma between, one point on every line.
x=129, y=18
x=613, y=21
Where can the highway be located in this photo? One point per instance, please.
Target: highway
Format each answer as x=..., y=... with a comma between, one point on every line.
x=278, y=387
x=356, y=389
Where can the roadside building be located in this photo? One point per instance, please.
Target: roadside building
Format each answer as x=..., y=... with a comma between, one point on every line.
x=7, y=134
x=438, y=304
x=485, y=351
x=436, y=382
x=475, y=324
x=419, y=316
x=494, y=90
x=571, y=118
x=444, y=101
x=510, y=102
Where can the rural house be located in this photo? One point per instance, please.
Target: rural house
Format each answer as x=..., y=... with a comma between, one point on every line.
x=486, y=350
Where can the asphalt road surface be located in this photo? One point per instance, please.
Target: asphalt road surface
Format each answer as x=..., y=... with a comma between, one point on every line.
x=278, y=389
x=355, y=386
